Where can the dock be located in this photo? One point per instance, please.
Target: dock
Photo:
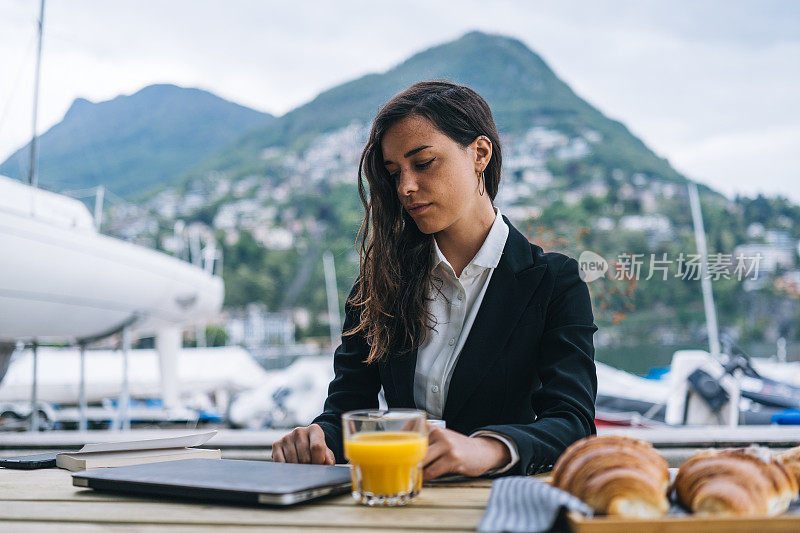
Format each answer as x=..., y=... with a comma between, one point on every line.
x=676, y=444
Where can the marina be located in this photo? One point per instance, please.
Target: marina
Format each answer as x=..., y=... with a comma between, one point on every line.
x=174, y=275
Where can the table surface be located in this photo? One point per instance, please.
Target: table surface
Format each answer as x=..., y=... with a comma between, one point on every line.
x=33, y=500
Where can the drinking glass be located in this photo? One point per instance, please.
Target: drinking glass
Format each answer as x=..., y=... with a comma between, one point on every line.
x=385, y=449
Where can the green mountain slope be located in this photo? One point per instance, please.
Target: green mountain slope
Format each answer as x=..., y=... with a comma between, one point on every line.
x=134, y=142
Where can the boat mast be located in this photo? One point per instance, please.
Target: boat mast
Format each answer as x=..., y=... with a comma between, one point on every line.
x=333, y=297
x=33, y=181
x=33, y=177
x=705, y=281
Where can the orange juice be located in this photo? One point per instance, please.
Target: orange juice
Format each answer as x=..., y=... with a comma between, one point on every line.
x=386, y=461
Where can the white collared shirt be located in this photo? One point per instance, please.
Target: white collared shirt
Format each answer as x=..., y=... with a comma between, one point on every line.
x=455, y=307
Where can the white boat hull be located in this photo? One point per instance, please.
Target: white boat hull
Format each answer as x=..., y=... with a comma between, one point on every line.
x=61, y=281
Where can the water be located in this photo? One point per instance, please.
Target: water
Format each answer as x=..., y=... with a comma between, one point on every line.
x=639, y=358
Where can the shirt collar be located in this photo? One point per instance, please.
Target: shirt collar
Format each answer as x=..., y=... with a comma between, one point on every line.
x=489, y=254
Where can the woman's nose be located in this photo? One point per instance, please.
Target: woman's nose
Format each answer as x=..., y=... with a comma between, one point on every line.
x=406, y=183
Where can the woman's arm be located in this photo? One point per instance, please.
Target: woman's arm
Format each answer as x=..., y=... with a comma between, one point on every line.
x=355, y=384
x=564, y=405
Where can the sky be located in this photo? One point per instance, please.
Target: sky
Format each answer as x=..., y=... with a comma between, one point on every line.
x=711, y=86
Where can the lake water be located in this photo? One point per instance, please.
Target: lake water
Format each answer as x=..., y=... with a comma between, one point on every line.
x=640, y=358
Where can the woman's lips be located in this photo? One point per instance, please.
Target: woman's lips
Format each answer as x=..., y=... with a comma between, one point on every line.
x=418, y=210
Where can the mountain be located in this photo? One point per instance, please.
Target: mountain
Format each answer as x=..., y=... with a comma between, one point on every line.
x=518, y=85
x=573, y=180
x=134, y=142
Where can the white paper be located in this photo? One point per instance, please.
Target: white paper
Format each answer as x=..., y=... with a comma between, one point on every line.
x=184, y=441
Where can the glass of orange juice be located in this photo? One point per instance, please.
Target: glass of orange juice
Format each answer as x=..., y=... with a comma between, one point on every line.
x=385, y=449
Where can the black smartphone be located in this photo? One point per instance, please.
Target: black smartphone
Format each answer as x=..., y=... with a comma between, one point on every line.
x=30, y=462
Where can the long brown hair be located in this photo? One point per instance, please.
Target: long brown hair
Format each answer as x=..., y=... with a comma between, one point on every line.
x=395, y=263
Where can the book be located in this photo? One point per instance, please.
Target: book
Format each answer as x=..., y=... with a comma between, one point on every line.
x=124, y=453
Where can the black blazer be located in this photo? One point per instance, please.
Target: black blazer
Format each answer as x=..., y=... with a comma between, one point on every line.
x=526, y=370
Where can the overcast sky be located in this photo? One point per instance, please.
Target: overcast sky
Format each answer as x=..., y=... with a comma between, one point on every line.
x=712, y=86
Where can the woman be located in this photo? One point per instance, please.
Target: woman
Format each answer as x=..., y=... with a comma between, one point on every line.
x=454, y=311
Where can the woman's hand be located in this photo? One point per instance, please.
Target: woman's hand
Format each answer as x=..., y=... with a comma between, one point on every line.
x=303, y=445
x=450, y=452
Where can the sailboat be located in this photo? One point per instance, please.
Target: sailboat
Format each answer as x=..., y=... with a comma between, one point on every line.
x=62, y=281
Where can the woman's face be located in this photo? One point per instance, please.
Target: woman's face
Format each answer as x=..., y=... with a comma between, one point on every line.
x=432, y=170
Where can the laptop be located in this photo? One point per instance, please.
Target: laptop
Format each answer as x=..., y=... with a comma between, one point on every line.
x=224, y=480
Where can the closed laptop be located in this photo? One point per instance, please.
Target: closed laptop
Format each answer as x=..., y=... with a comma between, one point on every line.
x=254, y=482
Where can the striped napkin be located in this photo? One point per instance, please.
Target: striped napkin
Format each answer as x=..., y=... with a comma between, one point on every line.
x=525, y=504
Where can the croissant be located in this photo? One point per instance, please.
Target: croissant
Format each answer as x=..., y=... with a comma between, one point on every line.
x=790, y=459
x=615, y=475
x=735, y=482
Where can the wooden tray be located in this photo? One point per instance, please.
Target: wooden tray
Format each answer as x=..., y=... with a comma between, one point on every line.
x=784, y=523
x=679, y=521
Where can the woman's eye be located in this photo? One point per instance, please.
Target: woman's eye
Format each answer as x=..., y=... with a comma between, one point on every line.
x=425, y=164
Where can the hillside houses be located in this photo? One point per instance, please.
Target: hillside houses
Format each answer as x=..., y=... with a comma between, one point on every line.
x=273, y=207
x=778, y=251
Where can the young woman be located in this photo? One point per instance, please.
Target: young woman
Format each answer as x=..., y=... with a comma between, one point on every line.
x=454, y=311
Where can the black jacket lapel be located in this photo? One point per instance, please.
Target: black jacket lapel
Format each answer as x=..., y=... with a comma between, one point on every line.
x=403, y=368
x=511, y=288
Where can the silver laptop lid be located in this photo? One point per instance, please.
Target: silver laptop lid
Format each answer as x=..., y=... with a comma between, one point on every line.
x=224, y=479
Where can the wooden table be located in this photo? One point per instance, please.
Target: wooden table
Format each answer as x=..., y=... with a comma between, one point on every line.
x=33, y=500
x=38, y=500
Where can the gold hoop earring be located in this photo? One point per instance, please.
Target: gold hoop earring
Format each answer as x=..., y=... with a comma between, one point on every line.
x=482, y=181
